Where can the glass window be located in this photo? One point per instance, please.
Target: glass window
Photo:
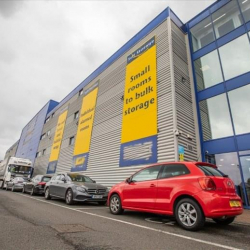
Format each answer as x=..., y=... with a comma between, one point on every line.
x=240, y=102
x=58, y=177
x=76, y=115
x=208, y=71
x=174, y=170
x=202, y=34
x=46, y=179
x=44, y=151
x=245, y=164
x=80, y=178
x=228, y=164
x=226, y=19
x=215, y=118
x=71, y=140
x=245, y=8
x=43, y=136
x=147, y=174
x=235, y=57
x=38, y=154
x=48, y=133
x=210, y=171
x=80, y=92
x=47, y=119
x=247, y=152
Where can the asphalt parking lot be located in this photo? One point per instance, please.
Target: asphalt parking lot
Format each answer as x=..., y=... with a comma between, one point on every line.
x=31, y=222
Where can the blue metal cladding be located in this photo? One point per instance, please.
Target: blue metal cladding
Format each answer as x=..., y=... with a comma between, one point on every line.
x=30, y=137
x=233, y=143
x=230, y=143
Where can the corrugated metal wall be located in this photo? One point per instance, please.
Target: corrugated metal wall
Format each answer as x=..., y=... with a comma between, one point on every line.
x=103, y=164
x=30, y=137
x=183, y=95
x=12, y=150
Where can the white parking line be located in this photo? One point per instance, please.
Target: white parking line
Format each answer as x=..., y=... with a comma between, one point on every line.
x=137, y=225
x=86, y=208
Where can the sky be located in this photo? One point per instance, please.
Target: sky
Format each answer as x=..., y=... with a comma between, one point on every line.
x=49, y=47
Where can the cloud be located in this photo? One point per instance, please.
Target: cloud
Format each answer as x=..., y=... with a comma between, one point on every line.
x=10, y=7
x=47, y=48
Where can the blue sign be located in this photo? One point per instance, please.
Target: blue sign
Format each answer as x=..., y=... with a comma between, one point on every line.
x=141, y=50
x=52, y=167
x=80, y=162
x=142, y=151
x=181, y=149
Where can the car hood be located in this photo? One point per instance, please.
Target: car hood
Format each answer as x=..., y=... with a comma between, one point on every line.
x=88, y=185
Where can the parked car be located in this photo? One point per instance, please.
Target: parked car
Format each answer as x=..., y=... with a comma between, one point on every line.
x=73, y=187
x=36, y=185
x=16, y=184
x=189, y=191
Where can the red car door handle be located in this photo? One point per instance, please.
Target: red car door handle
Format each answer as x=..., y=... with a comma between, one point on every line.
x=152, y=185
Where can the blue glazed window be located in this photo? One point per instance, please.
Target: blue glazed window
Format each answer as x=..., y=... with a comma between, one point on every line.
x=245, y=8
x=240, y=102
x=215, y=118
x=235, y=57
x=226, y=19
x=208, y=71
x=202, y=34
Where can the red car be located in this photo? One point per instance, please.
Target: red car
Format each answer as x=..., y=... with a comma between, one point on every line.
x=190, y=191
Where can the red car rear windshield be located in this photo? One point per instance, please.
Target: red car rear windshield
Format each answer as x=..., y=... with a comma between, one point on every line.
x=210, y=171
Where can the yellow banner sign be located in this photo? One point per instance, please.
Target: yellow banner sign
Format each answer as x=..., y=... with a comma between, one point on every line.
x=54, y=155
x=140, y=96
x=86, y=120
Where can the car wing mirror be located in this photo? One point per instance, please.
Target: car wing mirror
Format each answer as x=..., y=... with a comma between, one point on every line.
x=129, y=180
x=64, y=180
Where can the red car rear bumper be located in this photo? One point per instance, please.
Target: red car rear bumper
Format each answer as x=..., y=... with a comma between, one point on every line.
x=216, y=205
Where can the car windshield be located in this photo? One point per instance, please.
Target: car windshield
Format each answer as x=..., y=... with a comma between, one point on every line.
x=210, y=171
x=16, y=169
x=80, y=178
x=46, y=178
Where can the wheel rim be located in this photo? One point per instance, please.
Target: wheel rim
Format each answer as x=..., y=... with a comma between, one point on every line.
x=115, y=204
x=187, y=214
x=68, y=196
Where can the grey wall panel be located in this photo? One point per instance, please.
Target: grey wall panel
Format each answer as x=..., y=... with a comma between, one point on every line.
x=12, y=150
x=103, y=164
x=65, y=159
x=41, y=164
x=183, y=95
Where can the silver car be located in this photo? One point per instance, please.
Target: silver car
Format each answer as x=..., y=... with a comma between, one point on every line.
x=16, y=184
x=75, y=187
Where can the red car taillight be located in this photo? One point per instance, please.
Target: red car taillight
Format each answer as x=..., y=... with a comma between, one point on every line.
x=207, y=184
x=42, y=183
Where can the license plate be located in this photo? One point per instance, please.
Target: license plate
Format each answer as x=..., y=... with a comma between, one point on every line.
x=97, y=196
x=235, y=204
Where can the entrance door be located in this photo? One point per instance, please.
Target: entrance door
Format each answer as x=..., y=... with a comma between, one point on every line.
x=245, y=164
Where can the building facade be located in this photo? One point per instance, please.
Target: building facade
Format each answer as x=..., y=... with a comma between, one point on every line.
x=27, y=145
x=173, y=92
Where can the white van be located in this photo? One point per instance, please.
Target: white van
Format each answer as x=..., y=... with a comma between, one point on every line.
x=14, y=167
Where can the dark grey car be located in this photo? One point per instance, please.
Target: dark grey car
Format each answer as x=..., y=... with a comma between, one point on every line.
x=36, y=185
x=75, y=187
